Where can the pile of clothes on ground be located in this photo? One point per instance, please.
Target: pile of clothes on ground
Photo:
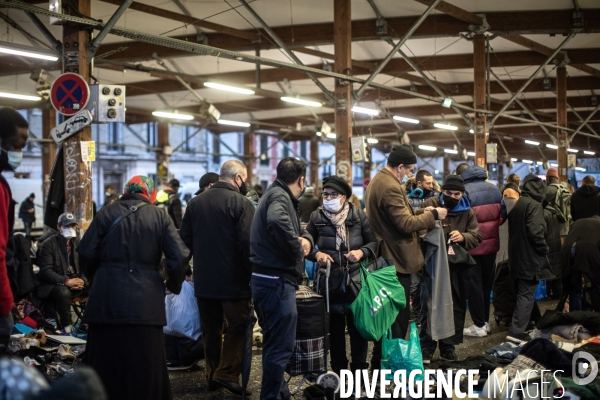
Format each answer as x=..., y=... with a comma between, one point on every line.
x=567, y=342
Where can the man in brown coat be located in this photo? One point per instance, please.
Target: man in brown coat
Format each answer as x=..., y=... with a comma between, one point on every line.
x=395, y=226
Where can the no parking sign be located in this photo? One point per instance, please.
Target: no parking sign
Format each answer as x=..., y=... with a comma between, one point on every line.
x=69, y=94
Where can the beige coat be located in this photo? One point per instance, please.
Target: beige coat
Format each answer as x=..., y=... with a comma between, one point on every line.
x=394, y=223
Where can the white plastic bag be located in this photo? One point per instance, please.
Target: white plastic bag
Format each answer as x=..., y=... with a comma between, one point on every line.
x=183, y=317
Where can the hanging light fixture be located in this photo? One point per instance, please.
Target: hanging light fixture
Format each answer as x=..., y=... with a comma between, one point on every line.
x=532, y=142
x=445, y=126
x=364, y=110
x=404, y=119
x=428, y=148
x=26, y=51
x=19, y=96
x=227, y=88
x=234, y=123
x=173, y=115
x=302, y=102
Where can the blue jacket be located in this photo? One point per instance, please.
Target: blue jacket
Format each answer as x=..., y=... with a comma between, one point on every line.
x=485, y=200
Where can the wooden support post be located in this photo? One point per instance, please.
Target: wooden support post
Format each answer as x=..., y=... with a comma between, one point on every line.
x=561, y=120
x=501, y=173
x=342, y=42
x=367, y=164
x=314, y=164
x=78, y=174
x=48, y=148
x=446, y=171
x=162, y=159
x=249, y=156
x=479, y=98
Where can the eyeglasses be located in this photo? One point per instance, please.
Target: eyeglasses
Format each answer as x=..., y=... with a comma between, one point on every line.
x=330, y=195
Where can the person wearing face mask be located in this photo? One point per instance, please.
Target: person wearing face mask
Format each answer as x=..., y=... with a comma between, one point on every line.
x=14, y=132
x=216, y=228
x=460, y=227
x=61, y=274
x=278, y=245
x=343, y=234
x=395, y=226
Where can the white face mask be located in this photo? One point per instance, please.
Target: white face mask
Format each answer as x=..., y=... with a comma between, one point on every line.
x=15, y=158
x=68, y=233
x=332, y=205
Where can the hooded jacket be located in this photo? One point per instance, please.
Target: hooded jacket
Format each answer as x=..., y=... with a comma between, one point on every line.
x=8, y=273
x=527, y=249
x=485, y=200
x=274, y=246
x=394, y=222
x=24, y=213
x=585, y=202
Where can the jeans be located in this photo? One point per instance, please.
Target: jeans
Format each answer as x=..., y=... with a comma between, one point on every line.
x=577, y=290
x=415, y=293
x=525, y=303
x=400, y=326
x=224, y=354
x=276, y=300
x=358, y=345
x=459, y=283
x=27, y=225
x=480, y=288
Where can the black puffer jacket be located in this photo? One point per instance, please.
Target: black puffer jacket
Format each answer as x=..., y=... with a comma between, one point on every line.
x=54, y=265
x=585, y=202
x=553, y=240
x=123, y=267
x=585, y=233
x=527, y=249
x=274, y=245
x=216, y=228
x=361, y=236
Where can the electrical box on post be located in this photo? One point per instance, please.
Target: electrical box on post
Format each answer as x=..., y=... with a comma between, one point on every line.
x=107, y=103
x=491, y=153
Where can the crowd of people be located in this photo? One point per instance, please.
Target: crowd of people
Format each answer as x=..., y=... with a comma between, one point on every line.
x=248, y=248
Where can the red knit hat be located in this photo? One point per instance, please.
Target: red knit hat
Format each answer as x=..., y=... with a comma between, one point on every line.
x=552, y=172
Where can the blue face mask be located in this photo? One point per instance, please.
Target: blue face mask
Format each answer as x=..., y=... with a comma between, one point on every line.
x=405, y=179
x=14, y=158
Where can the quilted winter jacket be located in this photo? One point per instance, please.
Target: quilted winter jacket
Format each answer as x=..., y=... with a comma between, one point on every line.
x=553, y=240
x=485, y=200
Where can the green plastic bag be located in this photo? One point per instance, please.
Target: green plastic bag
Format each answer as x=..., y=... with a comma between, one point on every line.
x=399, y=354
x=378, y=303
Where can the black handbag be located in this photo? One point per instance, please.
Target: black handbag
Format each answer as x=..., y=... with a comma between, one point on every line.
x=458, y=256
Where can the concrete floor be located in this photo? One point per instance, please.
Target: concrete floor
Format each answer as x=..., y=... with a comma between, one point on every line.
x=187, y=385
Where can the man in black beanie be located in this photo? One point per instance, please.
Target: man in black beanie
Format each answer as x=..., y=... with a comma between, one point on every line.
x=395, y=226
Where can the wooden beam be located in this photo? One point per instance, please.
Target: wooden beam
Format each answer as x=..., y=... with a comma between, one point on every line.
x=479, y=99
x=342, y=44
x=561, y=120
x=162, y=159
x=455, y=12
x=249, y=157
x=363, y=64
x=314, y=165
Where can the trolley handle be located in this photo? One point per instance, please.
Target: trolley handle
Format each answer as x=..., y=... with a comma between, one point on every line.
x=328, y=269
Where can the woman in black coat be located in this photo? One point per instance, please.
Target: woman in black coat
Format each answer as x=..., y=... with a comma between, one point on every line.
x=126, y=306
x=343, y=236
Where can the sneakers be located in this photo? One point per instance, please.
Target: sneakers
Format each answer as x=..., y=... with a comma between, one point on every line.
x=427, y=356
x=448, y=355
x=64, y=352
x=175, y=367
x=476, y=331
x=519, y=339
x=487, y=327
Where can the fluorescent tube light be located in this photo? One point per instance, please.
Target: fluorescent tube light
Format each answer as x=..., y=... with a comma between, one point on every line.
x=514, y=160
x=25, y=51
x=428, y=148
x=403, y=119
x=450, y=151
x=446, y=126
x=368, y=111
x=234, y=123
x=528, y=161
x=331, y=135
x=173, y=115
x=552, y=146
x=471, y=131
x=20, y=96
x=554, y=165
x=572, y=150
x=307, y=103
x=532, y=142
x=471, y=153
x=372, y=140
x=589, y=153
x=319, y=134
x=580, y=169
x=228, y=88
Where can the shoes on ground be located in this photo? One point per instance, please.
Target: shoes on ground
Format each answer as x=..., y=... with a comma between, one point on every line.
x=476, y=331
x=448, y=355
x=488, y=328
x=427, y=355
x=233, y=387
x=64, y=352
x=179, y=367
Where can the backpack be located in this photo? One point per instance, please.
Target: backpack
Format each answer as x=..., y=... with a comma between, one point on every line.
x=562, y=203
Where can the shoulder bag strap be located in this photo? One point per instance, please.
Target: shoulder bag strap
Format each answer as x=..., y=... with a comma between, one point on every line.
x=132, y=209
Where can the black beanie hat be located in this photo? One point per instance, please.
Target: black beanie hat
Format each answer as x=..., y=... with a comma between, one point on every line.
x=206, y=180
x=402, y=154
x=339, y=184
x=454, y=182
